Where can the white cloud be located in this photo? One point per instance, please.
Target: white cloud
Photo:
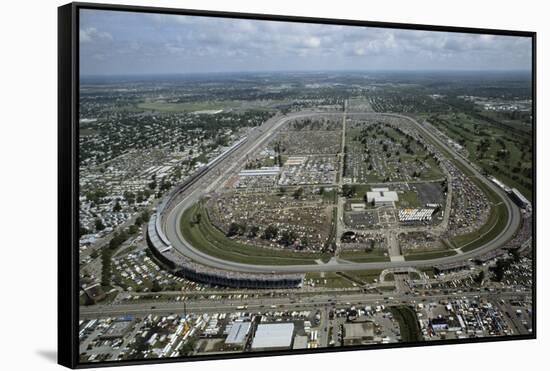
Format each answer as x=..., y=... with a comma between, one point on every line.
x=91, y=34
x=208, y=43
x=312, y=42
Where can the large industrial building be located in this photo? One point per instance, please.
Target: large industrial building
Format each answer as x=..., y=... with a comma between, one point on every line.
x=270, y=336
x=238, y=333
x=382, y=197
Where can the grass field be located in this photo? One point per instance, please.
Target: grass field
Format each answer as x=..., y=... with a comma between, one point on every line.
x=430, y=255
x=408, y=323
x=408, y=199
x=207, y=238
x=394, y=163
x=369, y=276
x=200, y=106
x=375, y=255
x=472, y=131
x=333, y=280
x=428, y=270
x=490, y=230
x=332, y=236
x=185, y=107
x=343, y=280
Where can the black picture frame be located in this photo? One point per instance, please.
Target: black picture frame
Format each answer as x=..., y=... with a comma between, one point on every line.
x=68, y=185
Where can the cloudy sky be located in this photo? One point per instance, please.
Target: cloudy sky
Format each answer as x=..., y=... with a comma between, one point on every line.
x=114, y=43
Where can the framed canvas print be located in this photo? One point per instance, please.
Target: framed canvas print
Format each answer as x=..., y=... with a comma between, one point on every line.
x=240, y=185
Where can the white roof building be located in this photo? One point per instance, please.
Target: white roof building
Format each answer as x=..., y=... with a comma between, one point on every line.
x=357, y=207
x=523, y=202
x=264, y=171
x=238, y=332
x=273, y=335
x=382, y=196
x=295, y=160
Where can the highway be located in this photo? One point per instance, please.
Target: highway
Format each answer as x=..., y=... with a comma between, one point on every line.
x=172, y=218
x=291, y=302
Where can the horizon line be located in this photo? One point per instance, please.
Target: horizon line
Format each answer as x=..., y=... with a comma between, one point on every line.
x=150, y=74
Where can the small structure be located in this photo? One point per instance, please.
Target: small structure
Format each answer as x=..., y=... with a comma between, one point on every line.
x=118, y=329
x=300, y=342
x=357, y=333
x=263, y=171
x=295, y=160
x=358, y=207
x=444, y=324
x=95, y=292
x=451, y=267
x=519, y=199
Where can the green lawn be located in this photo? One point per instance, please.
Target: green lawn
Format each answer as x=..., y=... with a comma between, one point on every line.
x=332, y=236
x=161, y=106
x=428, y=270
x=376, y=255
x=369, y=276
x=207, y=238
x=430, y=255
x=463, y=127
x=356, y=148
x=185, y=107
x=408, y=199
x=333, y=280
x=408, y=323
x=495, y=223
x=330, y=196
x=343, y=280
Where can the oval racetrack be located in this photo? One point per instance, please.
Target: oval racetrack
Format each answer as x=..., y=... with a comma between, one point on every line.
x=171, y=220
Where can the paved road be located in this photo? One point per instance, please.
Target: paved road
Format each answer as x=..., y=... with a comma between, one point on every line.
x=173, y=233
x=282, y=303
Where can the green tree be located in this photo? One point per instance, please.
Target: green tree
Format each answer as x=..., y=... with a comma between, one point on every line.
x=349, y=190
x=270, y=232
x=117, y=208
x=233, y=230
x=99, y=226
x=253, y=232
x=516, y=256
x=82, y=230
x=133, y=229
x=156, y=286
x=287, y=238
x=106, y=267
x=479, y=277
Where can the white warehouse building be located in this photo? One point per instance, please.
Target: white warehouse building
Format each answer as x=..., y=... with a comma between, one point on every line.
x=273, y=336
x=382, y=197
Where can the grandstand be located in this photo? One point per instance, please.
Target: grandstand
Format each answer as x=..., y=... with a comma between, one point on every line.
x=182, y=266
